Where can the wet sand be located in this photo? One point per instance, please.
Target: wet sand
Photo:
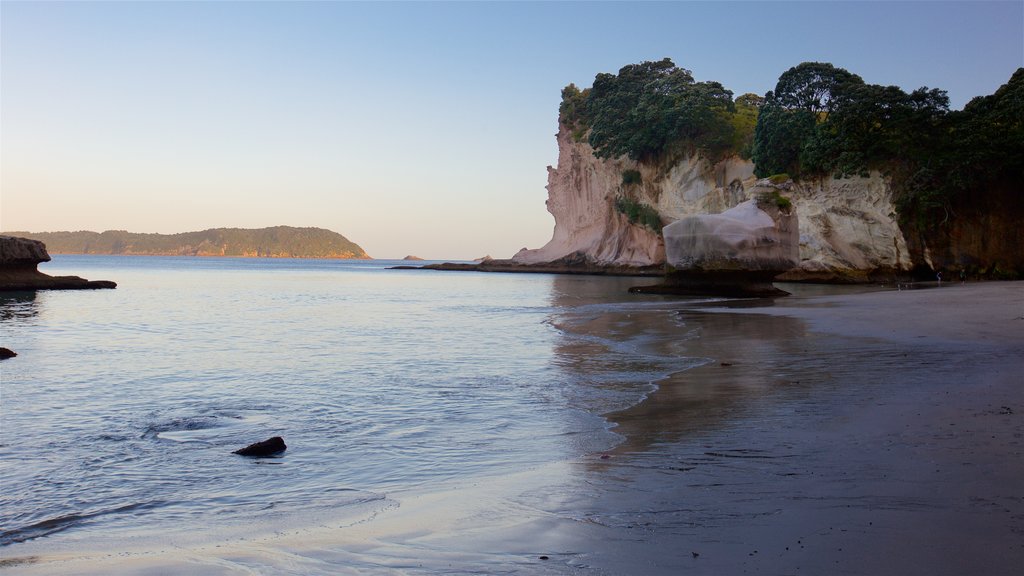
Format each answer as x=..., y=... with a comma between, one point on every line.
x=870, y=433
x=878, y=433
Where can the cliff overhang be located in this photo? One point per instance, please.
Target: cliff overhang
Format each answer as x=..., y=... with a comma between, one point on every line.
x=19, y=260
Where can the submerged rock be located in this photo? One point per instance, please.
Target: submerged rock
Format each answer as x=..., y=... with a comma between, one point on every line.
x=267, y=447
x=19, y=258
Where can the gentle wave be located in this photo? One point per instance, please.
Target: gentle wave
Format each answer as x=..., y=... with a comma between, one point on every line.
x=127, y=404
x=59, y=523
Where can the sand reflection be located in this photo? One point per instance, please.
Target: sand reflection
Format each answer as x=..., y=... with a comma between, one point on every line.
x=743, y=354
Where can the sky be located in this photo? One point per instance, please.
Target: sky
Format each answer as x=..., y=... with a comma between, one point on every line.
x=419, y=128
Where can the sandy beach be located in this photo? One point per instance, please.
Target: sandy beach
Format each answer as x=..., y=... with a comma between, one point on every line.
x=875, y=433
x=829, y=432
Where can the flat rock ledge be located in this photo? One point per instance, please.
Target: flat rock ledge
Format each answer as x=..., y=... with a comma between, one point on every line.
x=19, y=258
x=576, y=263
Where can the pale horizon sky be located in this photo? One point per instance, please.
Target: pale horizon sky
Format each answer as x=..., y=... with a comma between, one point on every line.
x=411, y=128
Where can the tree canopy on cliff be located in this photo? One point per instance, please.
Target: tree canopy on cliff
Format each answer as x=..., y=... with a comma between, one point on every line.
x=819, y=121
x=650, y=109
x=824, y=121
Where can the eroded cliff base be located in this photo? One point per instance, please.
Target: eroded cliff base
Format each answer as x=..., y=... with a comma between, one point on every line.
x=732, y=284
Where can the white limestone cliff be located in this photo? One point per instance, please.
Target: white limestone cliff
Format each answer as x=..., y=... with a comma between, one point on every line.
x=848, y=229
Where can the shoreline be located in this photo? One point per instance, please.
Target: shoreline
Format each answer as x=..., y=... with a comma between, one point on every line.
x=850, y=433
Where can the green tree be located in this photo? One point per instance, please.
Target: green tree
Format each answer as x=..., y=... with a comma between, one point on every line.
x=649, y=108
x=779, y=137
x=787, y=138
x=744, y=121
x=818, y=87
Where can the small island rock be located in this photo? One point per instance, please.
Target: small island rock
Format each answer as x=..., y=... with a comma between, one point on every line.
x=6, y=353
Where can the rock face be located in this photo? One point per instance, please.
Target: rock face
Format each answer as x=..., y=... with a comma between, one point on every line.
x=983, y=240
x=848, y=230
x=22, y=252
x=18, y=260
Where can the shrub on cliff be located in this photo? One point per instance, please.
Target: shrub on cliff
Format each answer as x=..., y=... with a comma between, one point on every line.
x=639, y=213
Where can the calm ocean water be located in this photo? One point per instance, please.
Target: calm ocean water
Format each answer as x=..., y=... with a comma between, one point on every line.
x=121, y=411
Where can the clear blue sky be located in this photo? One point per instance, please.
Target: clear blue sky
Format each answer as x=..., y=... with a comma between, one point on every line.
x=411, y=128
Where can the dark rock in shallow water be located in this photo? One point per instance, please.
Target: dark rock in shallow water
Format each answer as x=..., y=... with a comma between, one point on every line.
x=266, y=448
x=6, y=353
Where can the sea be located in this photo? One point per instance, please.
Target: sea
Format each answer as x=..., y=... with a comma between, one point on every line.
x=119, y=416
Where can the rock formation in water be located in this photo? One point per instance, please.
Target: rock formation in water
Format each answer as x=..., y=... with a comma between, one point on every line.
x=19, y=258
x=737, y=252
x=848, y=229
x=6, y=353
x=275, y=242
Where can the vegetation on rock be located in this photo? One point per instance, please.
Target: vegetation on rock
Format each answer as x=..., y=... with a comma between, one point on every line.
x=630, y=177
x=639, y=213
x=825, y=121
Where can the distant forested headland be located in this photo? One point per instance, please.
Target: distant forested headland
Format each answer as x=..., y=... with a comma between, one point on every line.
x=275, y=242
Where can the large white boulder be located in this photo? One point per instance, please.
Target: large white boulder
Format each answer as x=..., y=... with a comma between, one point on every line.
x=743, y=238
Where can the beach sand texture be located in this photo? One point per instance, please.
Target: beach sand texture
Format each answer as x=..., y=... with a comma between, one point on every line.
x=860, y=433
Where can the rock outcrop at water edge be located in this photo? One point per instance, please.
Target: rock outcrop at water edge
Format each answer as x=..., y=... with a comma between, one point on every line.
x=848, y=227
x=19, y=258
